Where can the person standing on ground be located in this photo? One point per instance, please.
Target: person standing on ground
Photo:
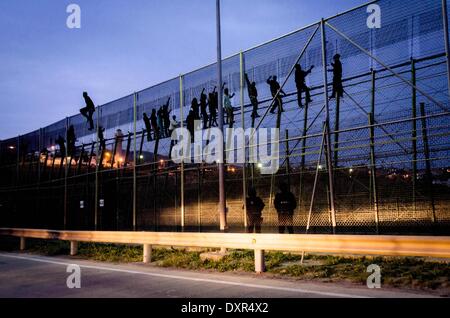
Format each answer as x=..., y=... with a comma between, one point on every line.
x=254, y=206
x=285, y=204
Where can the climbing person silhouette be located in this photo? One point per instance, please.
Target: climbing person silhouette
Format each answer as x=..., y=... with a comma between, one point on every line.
x=154, y=122
x=62, y=146
x=228, y=107
x=71, y=139
x=89, y=110
x=166, y=118
x=101, y=138
x=195, y=107
x=160, y=115
x=274, y=88
x=338, y=89
x=203, y=109
x=212, y=109
x=300, y=83
x=255, y=206
x=148, y=126
x=190, y=123
x=285, y=204
x=253, y=95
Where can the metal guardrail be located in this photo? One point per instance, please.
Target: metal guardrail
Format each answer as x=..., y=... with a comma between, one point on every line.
x=422, y=246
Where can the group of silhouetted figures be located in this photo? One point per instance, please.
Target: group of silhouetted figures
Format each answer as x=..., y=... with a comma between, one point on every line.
x=160, y=125
x=285, y=204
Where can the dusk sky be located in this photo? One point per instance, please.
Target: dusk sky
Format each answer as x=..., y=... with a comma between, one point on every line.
x=123, y=46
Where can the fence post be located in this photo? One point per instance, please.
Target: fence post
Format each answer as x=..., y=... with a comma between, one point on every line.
x=260, y=266
x=73, y=248
x=182, y=211
x=244, y=170
x=23, y=243
x=414, y=132
x=147, y=253
x=134, y=160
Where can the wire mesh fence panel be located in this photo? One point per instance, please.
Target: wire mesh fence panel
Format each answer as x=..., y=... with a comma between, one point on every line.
x=373, y=158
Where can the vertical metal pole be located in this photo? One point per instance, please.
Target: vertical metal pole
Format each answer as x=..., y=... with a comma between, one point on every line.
x=183, y=211
x=426, y=147
x=222, y=203
x=244, y=167
x=134, y=162
x=288, y=161
x=414, y=132
x=373, y=171
x=327, y=126
x=303, y=156
x=336, y=130
x=446, y=39
x=97, y=165
x=66, y=170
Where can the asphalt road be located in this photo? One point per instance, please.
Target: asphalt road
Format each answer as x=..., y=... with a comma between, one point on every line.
x=25, y=275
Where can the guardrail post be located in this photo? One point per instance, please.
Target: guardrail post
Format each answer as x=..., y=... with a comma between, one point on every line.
x=147, y=253
x=73, y=248
x=260, y=266
x=22, y=243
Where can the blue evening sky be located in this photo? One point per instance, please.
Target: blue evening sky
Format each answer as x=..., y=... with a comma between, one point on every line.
x=123, y=46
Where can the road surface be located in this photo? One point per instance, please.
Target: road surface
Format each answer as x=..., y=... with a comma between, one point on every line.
x=26, y=275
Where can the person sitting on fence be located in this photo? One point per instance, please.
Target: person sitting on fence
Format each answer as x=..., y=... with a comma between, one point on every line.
x=212, y=109
x=154, y=122
x=338, y=89
x=276, y=91
x=148, y=126
x=300, y=83
x=285, y=204
x=254, y=206
x=253, y=95
x=228, y=107
x=89, y=110
x=203, y=107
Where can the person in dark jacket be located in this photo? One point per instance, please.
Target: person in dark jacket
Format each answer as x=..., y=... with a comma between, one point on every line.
x=89, y=110
x=274, y=88
x=300, y=83
x=253, y=95
x=166, y=118
x=71, y=139
x=203, y=109
x=338, y=89
x=101, y=138
x=254, y=206
x=148, y=126
x=285, y=204
x=154, y=122
x=212, y=108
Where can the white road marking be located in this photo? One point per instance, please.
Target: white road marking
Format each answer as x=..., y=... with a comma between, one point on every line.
x=294, y=290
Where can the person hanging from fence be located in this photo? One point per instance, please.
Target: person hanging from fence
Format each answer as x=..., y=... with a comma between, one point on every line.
x=190, y=123
x=212, y=109
x=174, y=124
x=62, y=146
x=154, y=122
x=71, y=139
x=166, y=118
x=101, y=138
x=276, y=91
x=89, y=110
x=203, y=109
x=160, y=115
x=148, y=126
x=228, y=107
x=285, y=204
x=253, y=95
x=254, y=206
x=300, y=83
x=195, y=107
x=338, y=88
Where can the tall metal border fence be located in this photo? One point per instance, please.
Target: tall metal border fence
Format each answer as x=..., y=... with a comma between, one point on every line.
x=386, y=140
